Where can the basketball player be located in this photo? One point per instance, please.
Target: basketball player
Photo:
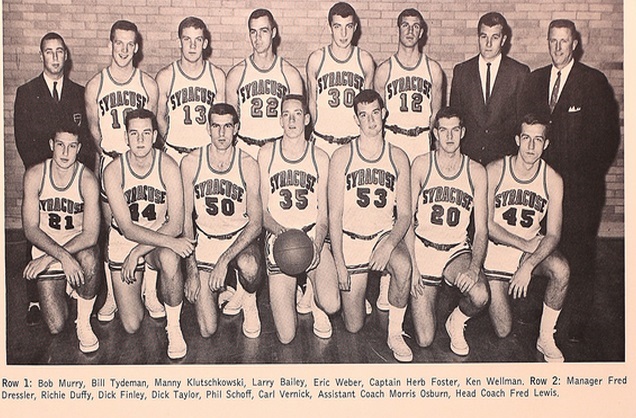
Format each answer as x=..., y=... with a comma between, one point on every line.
x=221, y=187
x=187, y=89
x=368, y=178
x=522, y=191
x=144, y=190
x=336, y=73
x=109, y=96
x=60, y=215
x=447, y=188
x=256, y=85
x=411, y=84
x=294, y=195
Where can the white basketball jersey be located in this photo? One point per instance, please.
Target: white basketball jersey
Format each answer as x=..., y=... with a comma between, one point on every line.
x=114, y=101
x=145, y=193
x=338, y=82
x=189, y=103
x=61, y=207
x=260, y=93
x=407, y=95
x=293, y=188
x=444, y=204
x=520, y=205
x=220, y=201
x=370, y=192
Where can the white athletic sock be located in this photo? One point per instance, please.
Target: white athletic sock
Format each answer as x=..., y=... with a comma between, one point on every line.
x=109, y=281
x=150, y=283
x=84, y=309
x=396, y=317
x=173, y=315
x=548, y=321
x=459, y=315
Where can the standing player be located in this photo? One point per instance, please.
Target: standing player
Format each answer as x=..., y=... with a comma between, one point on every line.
x=411, y=84
x=336, y=73
x=522, y=191
x=60, y=214
x=294, y=194
x=447, y=188
x=369, y=181
x=187, y=89
x=110, y=95
x=256, y=85
x=144, y=190
x=221, y=187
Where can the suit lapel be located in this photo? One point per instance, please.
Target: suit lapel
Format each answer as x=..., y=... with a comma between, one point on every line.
x=566, y=97
x=44, y=93
x=474, y=84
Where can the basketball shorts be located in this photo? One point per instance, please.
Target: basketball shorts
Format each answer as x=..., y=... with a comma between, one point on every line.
x=413, y=146
x=357, y=250
x=103, y=162
x=53, y=272
x=502, y=261
x=432, y=259
x=327, y=146
x=272, y=267
x=177, y=153
x=251, y=149
x=118, y=249
x=209, y=250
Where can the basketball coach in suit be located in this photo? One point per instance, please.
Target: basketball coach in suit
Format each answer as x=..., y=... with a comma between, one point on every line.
x=584, y=138
x=39, y=107
x=486, y=89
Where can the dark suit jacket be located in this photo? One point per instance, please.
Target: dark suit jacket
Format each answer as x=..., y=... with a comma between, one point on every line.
x=585, y=130
x=490, y=129
x=36, y=116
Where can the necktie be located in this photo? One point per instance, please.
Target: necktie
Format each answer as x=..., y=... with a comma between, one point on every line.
x=488, y=83
x=55, y=95
x=555, y=92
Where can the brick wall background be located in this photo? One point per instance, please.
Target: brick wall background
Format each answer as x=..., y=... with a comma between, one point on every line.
x=85, y=25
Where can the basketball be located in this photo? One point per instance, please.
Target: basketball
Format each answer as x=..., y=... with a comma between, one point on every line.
x=293, y=252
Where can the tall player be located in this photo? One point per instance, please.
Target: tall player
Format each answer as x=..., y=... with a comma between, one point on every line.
x=60, y=215
x=109, y=96
x=369, y=181
x=294, y=194
x=336, y=73
x=144, y=190
x=447, y=188
x=221, y=187
x=411, y=84
x=522, y=191
x=255, y=87
x=187, y=89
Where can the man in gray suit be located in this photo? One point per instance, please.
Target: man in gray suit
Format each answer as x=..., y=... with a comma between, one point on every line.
x=486, y=90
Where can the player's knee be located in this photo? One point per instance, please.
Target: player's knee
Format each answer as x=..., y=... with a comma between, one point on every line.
x=169, y=262
x=55, y=325
x=248, y=266
x=131, y=324
x=479, y=295
x=502, y=329
x=329, y=305
x=561, y=273
x=424, y=338
x=401, y=268
x=352, y=325
x=286, y=336
x=207, y=330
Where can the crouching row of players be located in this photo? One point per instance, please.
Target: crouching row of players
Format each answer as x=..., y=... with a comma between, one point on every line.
x=382, y=215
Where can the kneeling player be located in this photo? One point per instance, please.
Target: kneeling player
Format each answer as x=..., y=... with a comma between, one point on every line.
x=522, y=190
x=146, y=196
x=221, y=186
x=294, y=194
x=447, y=187
x=60, y=214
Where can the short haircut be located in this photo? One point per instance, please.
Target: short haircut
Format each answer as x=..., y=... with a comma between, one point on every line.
x=124, y=25
x=342, y=9
x=447, y=112
x=141, y=114
x=367, y=96
x=258, y=13
x=66, y=126
x=412, y=13
x=223, y=109
x=535, y=119
x=563, y=23
x=49, y=36
x=196, y=23
x=301, y=98
x=491, y=19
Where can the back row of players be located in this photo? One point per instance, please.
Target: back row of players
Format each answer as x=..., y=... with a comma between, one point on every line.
x=373, y=197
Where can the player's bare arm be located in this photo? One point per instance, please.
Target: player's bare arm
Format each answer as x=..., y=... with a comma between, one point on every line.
x=254, y=225
x=153, y=91
x=337, y=167
x=264, y=157
x=189, y=165
x=437, y=79
x=419, y=171
x=382, y=253
x=368, y=67
x=293, y=77
x=92, y=112
x=164, y=82
x=220, y=80
x=313, y=65
x=322, y=223
x=381, y=77
x=232, y=83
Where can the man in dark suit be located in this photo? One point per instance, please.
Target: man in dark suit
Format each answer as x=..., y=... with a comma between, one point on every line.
x=584, y=141
x=40, y=106
x=486, y=89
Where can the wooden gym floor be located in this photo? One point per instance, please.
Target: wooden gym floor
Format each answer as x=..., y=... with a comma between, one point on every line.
x=605, y=335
